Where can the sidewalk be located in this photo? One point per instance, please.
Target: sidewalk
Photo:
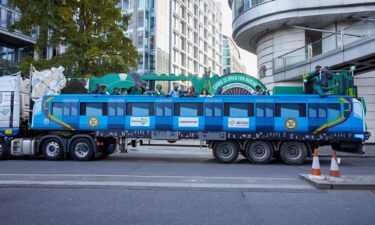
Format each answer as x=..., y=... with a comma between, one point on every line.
x=369, y=152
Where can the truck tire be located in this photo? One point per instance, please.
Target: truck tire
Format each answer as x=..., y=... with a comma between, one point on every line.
x=82, y=149
x=52, y=149
x=293, y=152
x=259, y=152
x=225, y=152
x=3, y=150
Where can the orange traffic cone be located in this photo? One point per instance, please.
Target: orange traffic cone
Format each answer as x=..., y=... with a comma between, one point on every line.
x=315, y=170
x=334, y=172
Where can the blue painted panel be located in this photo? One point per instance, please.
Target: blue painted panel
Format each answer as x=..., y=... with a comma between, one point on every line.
x=213, y=123
x=164, y=123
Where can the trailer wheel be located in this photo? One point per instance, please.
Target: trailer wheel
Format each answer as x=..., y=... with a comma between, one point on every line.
x=3, y=152
x=82, y=149
x=293, y=152
x=259, y=152
x=225, y=152
x=52, y=149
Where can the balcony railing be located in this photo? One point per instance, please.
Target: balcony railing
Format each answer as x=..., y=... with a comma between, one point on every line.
x=329, y=43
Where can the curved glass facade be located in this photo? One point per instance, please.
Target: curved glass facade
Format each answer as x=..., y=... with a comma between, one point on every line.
x=241, y=6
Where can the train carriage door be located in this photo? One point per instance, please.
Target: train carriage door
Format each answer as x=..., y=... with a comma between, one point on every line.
x=163, y=113
x=265, y=116
x=213, y=115
x=70, y=112
x=291, y=117
x=317, y=114
x=116, y=114
x=188, y=116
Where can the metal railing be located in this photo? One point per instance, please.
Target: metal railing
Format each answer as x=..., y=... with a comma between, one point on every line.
x=331, y=42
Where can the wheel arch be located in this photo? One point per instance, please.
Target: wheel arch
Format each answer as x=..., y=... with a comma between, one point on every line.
x=63, y=141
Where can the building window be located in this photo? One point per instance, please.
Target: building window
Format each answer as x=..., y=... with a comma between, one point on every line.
x=139, y=39
x=141, y=16
x=141, y=4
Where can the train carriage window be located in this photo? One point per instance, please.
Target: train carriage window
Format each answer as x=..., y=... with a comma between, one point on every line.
x=57, y=108
x=334, y=110
x=317, y=110
x=70, y=109
x=93, y=109
x=239, y=109
x=210, y=109
x=140, y=109
x=290, y=110
x=163, y=108
x=265, y=109
x=322, y=110
x=346, y=110
x=188, y=109
x=313, y=110
x=160, y=109
x=116, y=108
x=213, y=109
x=217, y=109
x=167, y=108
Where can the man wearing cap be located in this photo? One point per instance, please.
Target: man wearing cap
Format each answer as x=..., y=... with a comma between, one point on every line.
x=174, y=92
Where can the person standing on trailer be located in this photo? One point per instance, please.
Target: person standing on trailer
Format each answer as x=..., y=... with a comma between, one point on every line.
x=175, y=92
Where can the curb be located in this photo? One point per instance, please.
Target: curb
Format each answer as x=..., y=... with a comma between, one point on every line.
x=346, y=184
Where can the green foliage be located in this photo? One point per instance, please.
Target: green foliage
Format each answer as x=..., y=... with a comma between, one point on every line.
x=93, y=30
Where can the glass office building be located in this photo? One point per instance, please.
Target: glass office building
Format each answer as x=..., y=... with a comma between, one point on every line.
x=177, y=36
x=14, y=46
x=231, y=57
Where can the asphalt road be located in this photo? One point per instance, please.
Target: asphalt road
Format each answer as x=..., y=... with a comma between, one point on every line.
x=177, y=186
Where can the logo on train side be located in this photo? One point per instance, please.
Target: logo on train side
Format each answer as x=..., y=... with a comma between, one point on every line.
x=140, y=121
x=238, y=123
x=188, y=122
x=290, y=124
x=93, y=122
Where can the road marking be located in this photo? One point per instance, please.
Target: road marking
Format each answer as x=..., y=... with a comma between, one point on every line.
x=150, y=185
x=148, y=176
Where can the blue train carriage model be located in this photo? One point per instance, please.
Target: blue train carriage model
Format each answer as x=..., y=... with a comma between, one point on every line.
x=258, y=127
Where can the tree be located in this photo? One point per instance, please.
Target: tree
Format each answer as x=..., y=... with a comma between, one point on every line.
x=92, y=30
